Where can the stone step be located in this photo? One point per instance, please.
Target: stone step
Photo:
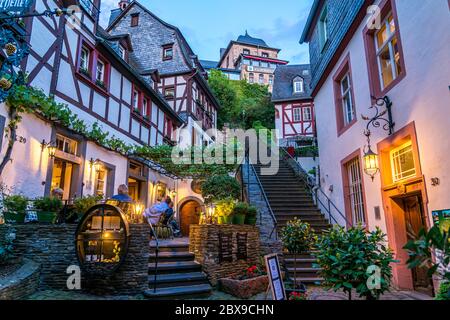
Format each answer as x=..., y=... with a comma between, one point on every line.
x=172, y=256
x=183, y=292
x=176, y=247
x=304, y=272
x=301, y=263
x=310, y=280
x=174, y=267
x=177, y=279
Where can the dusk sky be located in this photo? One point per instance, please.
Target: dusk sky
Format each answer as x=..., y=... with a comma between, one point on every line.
x=209, y=25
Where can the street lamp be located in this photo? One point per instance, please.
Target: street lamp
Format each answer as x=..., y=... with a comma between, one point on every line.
x=371, y=167
x=50, y=146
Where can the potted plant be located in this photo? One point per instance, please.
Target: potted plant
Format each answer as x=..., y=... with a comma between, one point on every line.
x=224, y=210
x=239, y=213
x=297, y=238
x=249, y=283
x=347, y=256
x=48, y=209
x=250, y=218
x=81, y=205
x=15, y=207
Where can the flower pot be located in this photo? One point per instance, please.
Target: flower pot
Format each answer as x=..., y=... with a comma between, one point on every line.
x=227, y=219
x=244, y=289
x=250, y=221
x=239, y=219
x=11, y=217
x=46, y=217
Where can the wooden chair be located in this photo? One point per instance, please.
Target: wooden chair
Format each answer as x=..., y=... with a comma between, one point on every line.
x=162, y=229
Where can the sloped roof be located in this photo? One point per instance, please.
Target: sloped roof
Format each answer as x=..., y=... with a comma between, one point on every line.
x=283, y=88
x=247, y=39
x=208, y=64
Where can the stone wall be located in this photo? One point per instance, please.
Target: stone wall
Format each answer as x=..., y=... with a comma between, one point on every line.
x=20, y=283
x=53, y=248
x=204, y=243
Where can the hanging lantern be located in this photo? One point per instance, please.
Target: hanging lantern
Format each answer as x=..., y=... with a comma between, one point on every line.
x=10, y=49
x=51, y=150
x=371, y=167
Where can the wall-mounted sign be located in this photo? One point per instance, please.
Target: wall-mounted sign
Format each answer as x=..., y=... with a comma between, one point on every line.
x=442, y=218
x=275, y=277
x=15, y=6
x=225, y=247
x=241, y=239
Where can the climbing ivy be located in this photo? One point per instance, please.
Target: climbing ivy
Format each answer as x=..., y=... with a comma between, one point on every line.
x=26, y=99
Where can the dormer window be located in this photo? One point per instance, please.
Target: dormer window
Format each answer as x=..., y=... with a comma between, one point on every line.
x=265, y=55
x=168, y=52
x=298, y=85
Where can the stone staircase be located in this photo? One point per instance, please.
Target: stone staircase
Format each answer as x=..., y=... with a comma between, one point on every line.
x=179, y=276
x=289, y=198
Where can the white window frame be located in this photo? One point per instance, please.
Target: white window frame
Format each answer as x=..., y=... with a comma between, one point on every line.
x=356, y=191
x=135, y=99
x=166, y=56
x=297, y=114
x=66, y=143
x=100, y=73
x=261, y=78
x=347, y=94
x=144, y=107
x=85, y=58
x=307, y=114
x=300, y=89
x=251, y=78
x=122, y=52
x=394, y=155
x=388, y=42
x=323, y=27
x=271, y=79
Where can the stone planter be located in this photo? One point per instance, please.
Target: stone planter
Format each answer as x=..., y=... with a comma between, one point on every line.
x=245, y=289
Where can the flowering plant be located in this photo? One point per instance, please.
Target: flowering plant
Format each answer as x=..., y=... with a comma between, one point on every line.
x=252, y=272
x=298, y=296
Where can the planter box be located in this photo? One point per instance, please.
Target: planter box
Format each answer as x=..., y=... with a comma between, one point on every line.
x=245, y=289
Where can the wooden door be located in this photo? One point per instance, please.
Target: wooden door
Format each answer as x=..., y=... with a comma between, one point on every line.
x=415, y=221
x=190, y=214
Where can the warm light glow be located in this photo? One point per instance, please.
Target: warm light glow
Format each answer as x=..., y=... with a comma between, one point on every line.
x=98, y=165
x=371, y=167
x=139, y=209
x=51, y=150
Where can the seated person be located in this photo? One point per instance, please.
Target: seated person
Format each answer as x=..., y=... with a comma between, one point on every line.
x=170, y=221
x=122, y=194
x=154, y=213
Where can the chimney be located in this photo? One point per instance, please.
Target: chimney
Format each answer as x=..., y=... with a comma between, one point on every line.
x=123, y=4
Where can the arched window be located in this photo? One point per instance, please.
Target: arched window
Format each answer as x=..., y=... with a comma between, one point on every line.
x=298, y=84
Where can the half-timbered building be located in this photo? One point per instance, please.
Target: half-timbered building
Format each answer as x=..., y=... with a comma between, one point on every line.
x=160, y=46
x=92, y=72
x=294, y=107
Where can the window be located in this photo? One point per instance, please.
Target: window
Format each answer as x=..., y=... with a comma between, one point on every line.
x=344, y=97
x=347, y=101
x=122, y=52
x=271, y=79
x=246, y=51
x=261, y=78
x=402, y=162
x=135, y=19
x=100, y=77
x=387, y=52
x=145, y=104
x=84, y=59
x=264, y=64
x=168, y=53
x=355, y=192
x=169, y=93
x=298, y=85
x=307, y=116
x=246, y=62
x=135, y=100
x=385, y=61
x=254, y=63
x=66, y=145
x=323, y=28
x=251, y=78
x=265, y=55
x=100, y=182
x=297, y=114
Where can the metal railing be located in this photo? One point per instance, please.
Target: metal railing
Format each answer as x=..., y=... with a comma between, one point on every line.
x=321, y=200
x=245, y=193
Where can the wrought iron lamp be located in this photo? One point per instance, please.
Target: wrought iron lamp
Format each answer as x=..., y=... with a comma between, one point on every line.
x=371, y=165
x=50, y=146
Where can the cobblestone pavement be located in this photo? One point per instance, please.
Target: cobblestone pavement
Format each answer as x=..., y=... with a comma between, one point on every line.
x=315, y=293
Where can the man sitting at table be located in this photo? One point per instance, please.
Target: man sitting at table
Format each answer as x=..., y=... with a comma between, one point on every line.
x=153, y=214
x=122, y=194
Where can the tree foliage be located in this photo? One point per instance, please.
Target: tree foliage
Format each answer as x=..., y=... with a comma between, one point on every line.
x=352, y=259
x=242, y=103
x=220, y=187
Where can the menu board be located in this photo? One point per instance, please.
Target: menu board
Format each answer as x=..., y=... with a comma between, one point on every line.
x=241, y=239
x=275, y=277
x=225, y=247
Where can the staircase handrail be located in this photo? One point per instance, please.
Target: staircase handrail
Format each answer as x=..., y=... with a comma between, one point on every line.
x=314, y=189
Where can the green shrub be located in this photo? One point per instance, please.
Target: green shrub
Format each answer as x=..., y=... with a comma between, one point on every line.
x=225, y=207
x=15, y=203
x=241, y=208
x=48, y=204
x=81, y=205
x=297, y=237
x=252, y=211
x=347, y=259
x=444, y=291
x=220, y=187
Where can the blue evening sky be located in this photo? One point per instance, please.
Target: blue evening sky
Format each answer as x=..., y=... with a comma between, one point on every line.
x=209, y=25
